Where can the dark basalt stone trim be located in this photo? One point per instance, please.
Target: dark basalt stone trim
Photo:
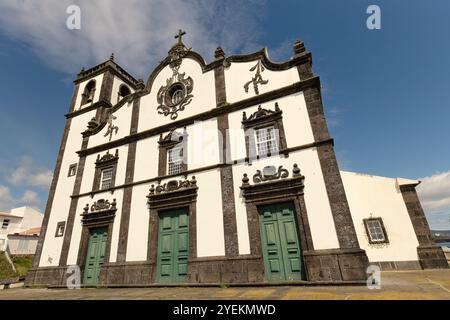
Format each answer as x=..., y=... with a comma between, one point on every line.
x=127, y=273
x=219, y=77
x=47, y=276
x=430, y=255
x=98, y=220
x=336, y=265
x=74, y=98
x=73, y=207
x=128, y=191
x=229, y=211
x=397, y=265
x=242, y=269
x=94, y=106
x=259, y=99
x=107, y=66
x=340, y=209
x=207, y=168
x=105, y=93
x=417, y=215
x=52, y=190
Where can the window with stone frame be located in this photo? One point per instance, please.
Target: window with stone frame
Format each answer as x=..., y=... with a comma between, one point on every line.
x=5, y=223
x=175, y=159
x=88, y=94
x=124, y=91
x=105, y=171
x=72, y=170
x=264, y=133
x=172, y=153
x=266, y=140
x=375, y=230
x=107, y=177
x=60, y=227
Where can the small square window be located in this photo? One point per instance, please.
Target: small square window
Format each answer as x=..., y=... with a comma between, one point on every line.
x=5, y=224
x=60, y=229
x=266, y=141
x=72, y=170
x=375, y=230
x=107, y=177
x=175, y=160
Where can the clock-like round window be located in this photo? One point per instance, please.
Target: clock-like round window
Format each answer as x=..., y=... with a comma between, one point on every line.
x=176, y=94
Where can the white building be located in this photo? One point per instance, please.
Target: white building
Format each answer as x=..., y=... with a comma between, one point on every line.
x=217, y=173
x=18, y=220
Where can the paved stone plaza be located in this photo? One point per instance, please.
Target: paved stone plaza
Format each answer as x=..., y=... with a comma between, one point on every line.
x=430, y=284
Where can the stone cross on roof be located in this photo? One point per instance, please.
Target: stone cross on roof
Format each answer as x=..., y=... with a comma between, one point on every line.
x=180, y=35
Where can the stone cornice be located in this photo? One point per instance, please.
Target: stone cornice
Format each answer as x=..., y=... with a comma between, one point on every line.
x=105, y=66
x=215, y=112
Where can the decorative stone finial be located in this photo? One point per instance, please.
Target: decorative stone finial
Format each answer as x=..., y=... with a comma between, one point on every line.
x=299, y=48
x=86, y=208
x=111, y=57
x=245, y=180
x=193, y=181
x=219, y=53
x=113, y=204
x=277, y=108
x=141, y=84
x=152, y=189
x=295, y=171
x=244, y=116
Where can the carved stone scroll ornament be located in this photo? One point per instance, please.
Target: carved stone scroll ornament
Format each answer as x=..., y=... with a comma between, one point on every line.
x=111, y=128
x=173, y=185
x=257, y=78
x=176, y=94
x=101, y=205
x=270, y=173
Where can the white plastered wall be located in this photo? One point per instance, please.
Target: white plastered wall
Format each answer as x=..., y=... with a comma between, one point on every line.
x=61, y=202
x=238, y=74
x=204, y=98
x=379, y=197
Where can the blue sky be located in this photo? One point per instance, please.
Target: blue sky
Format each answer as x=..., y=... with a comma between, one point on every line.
x=386, y=92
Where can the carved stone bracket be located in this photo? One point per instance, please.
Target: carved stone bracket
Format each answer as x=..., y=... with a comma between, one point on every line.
x=261, y=115
x=270, y=173
x=107, y=157
x=100, y=212
x=173, y=185
x=100, y=205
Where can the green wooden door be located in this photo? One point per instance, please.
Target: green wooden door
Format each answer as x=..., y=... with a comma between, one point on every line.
x=95, y=254
x=173, y=246
x=279, y=243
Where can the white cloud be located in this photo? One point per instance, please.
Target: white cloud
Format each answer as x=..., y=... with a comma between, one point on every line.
x=30, y=198
x=139, y=32
x=434, y=194
x=29, y=173
x=8, y=201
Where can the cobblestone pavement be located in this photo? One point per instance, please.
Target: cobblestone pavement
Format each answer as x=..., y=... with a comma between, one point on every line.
x=430, y=284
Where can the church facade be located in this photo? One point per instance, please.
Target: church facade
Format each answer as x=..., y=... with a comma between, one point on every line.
x=217, y=173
